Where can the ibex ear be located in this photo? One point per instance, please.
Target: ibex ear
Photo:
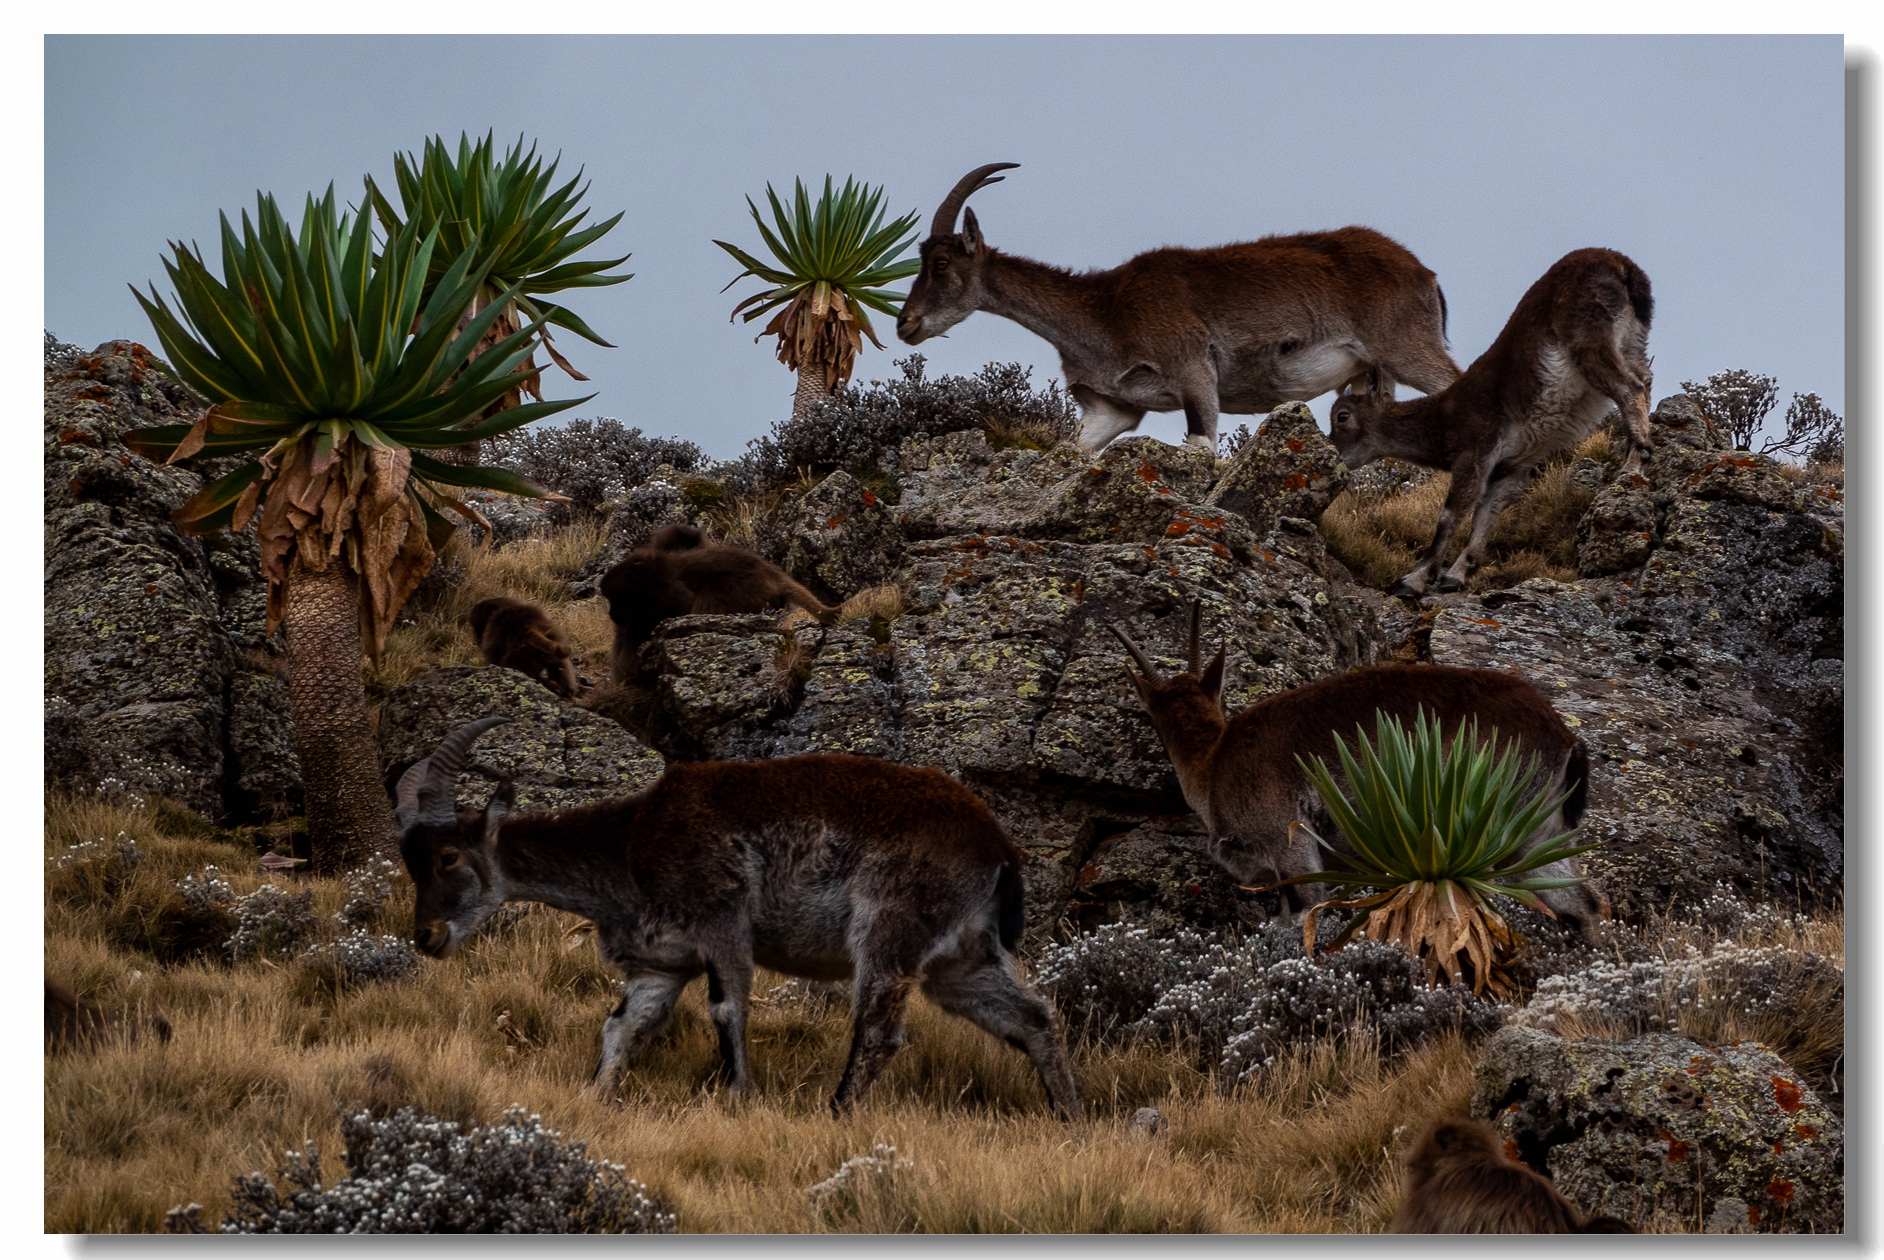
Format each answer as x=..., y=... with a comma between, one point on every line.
x=1373, y=381
x=971, y=232
x=1213, y=678
x=502, y=802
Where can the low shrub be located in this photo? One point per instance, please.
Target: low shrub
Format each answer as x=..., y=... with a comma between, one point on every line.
x=591, y=461
x=361, y=958
x=412, y=1174
x=270, y=923
x=369, y=888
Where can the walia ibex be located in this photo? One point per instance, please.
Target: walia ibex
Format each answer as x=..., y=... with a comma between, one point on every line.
x=1576, y=344
x=822, y=866
x=1241, y=776
x=520, y=636
x=1460, y=1181
x=1237, y=328
x=677, y=572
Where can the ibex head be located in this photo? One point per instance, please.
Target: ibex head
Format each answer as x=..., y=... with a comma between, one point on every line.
x=948, y=288
x=1354, y=423
x=449, y=855
x=1184, y=708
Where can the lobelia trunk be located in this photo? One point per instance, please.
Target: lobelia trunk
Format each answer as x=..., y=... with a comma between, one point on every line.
x=349, y=818
x=810, y=392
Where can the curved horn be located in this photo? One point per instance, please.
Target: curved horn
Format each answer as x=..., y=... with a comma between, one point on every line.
x=979, y=178
x=1138, y=654
x=1197, y=617
x=434, y=792
x=406, y=799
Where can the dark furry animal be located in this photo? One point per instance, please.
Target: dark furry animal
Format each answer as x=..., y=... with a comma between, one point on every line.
x=521, y=636
x=1241, y=776
x=72, y=1022
x=1237, y=328
x=677, y=572
x=820, y=866
x=1459, y=1181
x=1577, y=342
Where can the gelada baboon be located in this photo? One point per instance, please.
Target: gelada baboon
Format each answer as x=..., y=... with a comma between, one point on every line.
x=678, y=572
x=1458, y=1181
x=521, y=636
x=71, y=1021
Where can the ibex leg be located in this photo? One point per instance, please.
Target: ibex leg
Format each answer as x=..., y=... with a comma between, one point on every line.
x=879, y=1004
x=1467, y=484
x=1625, y=385
x=1498, y=496
x=729, y=998
x=641, y=1014
x=983, y=989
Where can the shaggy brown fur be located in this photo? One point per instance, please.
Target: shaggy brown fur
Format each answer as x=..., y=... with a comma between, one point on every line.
x=521, y=636
x=1238, y=328
x=822, y=866
x=72, y=1022
x=1577, y=342
x=677, y=572
x=1459, y=1181
x=1240, y=774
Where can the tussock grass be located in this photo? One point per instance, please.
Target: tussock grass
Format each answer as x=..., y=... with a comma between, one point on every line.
x=884, y=601
x=261, y=1055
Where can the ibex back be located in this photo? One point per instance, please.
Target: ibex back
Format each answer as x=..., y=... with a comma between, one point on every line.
x=820, y=866
x=1238, y=328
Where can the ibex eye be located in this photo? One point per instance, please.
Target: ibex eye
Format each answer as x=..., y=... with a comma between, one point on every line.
x=448, y=859
x=941, y=264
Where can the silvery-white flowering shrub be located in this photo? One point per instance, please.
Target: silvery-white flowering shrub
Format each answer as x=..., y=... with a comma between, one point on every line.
x=270, y=923
x=206, y=892
x=412, y=1174
x=369, y=888
x=360, y=957
x=591, y=461
x=837, y=1194
x=855, y=426
x=123, y=849
x=1658, y=994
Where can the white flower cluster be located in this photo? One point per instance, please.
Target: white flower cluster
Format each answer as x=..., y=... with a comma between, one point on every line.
x=1659, y=993
x=123, y=848
x=878, y=1168
x=369, y=888
x=270, y=922
x=206, y=891
x=412, y=1174
x=361, y=957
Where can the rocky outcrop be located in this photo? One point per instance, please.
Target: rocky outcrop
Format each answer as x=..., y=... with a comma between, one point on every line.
x=158, y=679
x=553, y=751
x=1661, y=1125
x=1287, y=468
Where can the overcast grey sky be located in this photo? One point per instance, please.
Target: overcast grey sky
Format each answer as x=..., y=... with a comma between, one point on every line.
x=1715, y=162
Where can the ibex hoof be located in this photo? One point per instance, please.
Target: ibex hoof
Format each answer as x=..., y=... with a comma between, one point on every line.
x=1404, y=589
x=1447, y=584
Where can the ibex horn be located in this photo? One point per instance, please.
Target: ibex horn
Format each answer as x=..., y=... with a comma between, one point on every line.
x=951, y=206
x=1138, y=654
x=433, y=794
x=1197, y=617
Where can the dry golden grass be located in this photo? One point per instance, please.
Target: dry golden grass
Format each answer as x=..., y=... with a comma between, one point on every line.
x=262, y=1055
x=884, y=601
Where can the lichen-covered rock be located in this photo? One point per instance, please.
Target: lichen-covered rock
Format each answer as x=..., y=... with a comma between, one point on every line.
x=266, y=777
x=841, y=538
x=1159, y=871
x=1698, y=774
x=958, y=484
x=1660, y=1125
x=1618, y=532
x=511, y=517
x=721, y=681
x=849, y=703
x=1131, y=493
x=1288, y=468
x=556, y=753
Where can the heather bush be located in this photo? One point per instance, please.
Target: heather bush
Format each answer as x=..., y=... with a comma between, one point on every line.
x=591, y=461
x=207, y=891
x=1666, y=994
x=270, y=923
x=369, y=888
x=359, y=957
x=412, y=1174
x=854, y=428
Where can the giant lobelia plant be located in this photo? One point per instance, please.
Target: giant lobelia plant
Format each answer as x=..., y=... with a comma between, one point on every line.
x=1437, y=830
x=831, y=261
x=325, y=364
x=522, y=228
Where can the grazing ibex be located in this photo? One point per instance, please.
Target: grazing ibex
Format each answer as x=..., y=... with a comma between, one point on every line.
x=1458, y=1181
x=1576, y=343
x=1237, y=328
x=678, y=572
x=821, y=866
x=1241, y=776
x=520, y=636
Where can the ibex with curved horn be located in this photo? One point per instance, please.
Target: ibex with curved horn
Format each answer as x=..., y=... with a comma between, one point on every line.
x=1240, y=773
x=821, y=866
x=1237, y=328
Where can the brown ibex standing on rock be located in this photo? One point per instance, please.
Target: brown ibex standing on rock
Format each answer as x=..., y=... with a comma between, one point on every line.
x=520, y=636
x=1459, y=1181
x=678, y=572
x=1241, y=776
x=1577, y=343
x=821, y=866
x=1238, y=328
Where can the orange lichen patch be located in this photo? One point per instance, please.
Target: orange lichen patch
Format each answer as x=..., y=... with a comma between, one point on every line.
x=834, y=522
x=870, y=500
x=1753, y=1214
x=77, y=437
x=1295, y=481
x=1486, y=621
x=1787, y=1095
x=1146, y=472
x=1177, y=529
x=1781, y=1191
x=1779, y=1148
x=1295, y=444
x=1511, y=1146
x=1220, y=551
x=1677, y=1149
x=150, y=588
x=1804, y=1131
x=1150, y=552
